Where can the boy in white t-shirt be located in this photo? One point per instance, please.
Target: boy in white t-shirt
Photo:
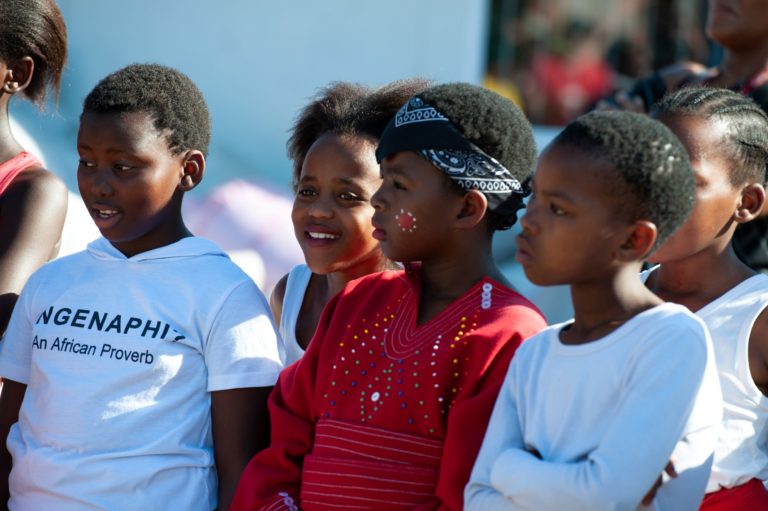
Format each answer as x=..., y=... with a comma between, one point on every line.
x=592, y=410
x=137, y=372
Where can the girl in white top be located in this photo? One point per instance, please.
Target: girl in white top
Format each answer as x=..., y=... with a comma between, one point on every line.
x=726, y=136
x=335, y=173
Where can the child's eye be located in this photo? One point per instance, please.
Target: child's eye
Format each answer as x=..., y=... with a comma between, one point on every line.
x=398, y=185
x=556, y=210
x=85, y=163
x=305, y=192
x=348, y=196
x=121, y=167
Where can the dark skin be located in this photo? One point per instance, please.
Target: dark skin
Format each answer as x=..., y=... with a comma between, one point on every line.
x=602, y=274
x=337, y=178
x=603, y=268
x=239, y=432
x=702, y=245
x=127, y=164
x=155, y=183
x=455, y=250
x=32, y=208
x=10, y=403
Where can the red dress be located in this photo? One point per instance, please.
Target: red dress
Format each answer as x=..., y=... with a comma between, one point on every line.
x=381, y=413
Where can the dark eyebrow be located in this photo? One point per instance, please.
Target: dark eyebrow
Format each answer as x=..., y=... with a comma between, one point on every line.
x=347, y=181
x=564, y=196
x=394, y=169
x=86, y=147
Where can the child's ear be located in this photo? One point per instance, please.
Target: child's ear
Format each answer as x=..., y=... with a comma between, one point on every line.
x=639, y=242
x=193, y=168
x=473, y=207
x=18, y=74
x=751, y=203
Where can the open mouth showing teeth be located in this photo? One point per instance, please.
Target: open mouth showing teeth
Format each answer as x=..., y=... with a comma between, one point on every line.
x=106, y=213
x=322, y=236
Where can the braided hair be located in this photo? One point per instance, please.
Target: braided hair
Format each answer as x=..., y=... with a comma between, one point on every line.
x=746, y=139
x=652, y=177
x=35, y=28
x=345, y=108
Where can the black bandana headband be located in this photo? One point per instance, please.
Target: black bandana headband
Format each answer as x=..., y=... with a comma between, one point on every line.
x=421, y=128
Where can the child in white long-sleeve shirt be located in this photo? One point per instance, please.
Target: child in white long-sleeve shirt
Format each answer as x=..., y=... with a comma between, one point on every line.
x=592, y=410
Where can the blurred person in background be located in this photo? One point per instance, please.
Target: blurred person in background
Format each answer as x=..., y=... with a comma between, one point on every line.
x=740, y=27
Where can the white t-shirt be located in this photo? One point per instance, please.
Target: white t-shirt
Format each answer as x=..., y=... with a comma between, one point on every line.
x=120, y=356
x=295, y=289
x=606, y=417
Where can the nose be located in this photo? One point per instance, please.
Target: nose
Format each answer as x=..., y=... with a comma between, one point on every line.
x=321, y=207
x=99, y=182
x=528, y=220
x=377, y=199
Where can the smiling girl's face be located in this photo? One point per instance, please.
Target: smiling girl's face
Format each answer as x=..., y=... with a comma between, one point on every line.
x=332, y=209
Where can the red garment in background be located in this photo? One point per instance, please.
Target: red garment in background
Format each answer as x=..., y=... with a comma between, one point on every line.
x=570, y=84
x=11, y=168
x=750, y=496
x=381, y=413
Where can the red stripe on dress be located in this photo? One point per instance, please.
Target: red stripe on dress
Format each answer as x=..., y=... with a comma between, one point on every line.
x=364, y=467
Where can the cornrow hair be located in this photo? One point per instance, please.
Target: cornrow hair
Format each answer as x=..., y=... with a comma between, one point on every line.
x=170, y=97
x=345, y=108
x=652, y=175
x=746, y=139
x=36, y=29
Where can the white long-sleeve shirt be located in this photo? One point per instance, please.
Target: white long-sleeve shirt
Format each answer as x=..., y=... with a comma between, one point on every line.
x=606, y=417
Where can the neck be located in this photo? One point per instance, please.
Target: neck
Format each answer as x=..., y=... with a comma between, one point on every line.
x=680, y=281
x=9, y=147
x=335, y=281
x=449, y=277
x=602, y=306
x=739, y=65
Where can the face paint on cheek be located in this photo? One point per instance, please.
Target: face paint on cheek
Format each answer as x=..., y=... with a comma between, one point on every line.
x=406, y=221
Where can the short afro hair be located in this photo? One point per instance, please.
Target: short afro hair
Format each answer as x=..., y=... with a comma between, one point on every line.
x=174, y=102
x=345, y=108
x=36, y=29
x=654, y=179
x=495, y=125
x=746, y=141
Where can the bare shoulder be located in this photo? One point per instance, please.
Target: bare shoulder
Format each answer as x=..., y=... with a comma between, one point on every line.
x=36, y=184
x=276, y=298
x=758, y=352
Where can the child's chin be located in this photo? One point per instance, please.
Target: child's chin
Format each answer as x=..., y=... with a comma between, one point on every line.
x=540, y=280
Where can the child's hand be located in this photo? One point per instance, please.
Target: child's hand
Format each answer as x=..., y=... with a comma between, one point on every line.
x=671, y=472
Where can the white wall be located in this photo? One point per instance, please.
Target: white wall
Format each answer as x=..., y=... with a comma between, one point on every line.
x=257, y=62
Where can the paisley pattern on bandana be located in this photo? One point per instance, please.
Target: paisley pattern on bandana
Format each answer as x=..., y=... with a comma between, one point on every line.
x=417, y=111
x=474, y=170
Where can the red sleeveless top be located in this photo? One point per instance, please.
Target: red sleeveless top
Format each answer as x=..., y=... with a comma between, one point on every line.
x=11, y=168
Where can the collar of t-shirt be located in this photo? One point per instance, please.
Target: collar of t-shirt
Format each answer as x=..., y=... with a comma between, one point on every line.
x=192, y=246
